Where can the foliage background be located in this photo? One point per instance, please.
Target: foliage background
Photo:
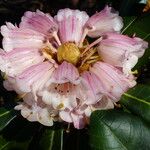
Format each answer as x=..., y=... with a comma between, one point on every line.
x=125, y=128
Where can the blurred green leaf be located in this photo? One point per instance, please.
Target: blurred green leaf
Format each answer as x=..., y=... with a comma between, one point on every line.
x=51, y=139
x=137, y=25
x=126, y=6
x=6, y=116
x=12, y=145
x=118, y=130
x=18, y=135
x=137, y=100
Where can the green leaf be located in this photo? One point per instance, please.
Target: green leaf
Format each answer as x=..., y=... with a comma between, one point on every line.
x=137, y=25
x=51, y=139
x=18, y=135
x=137, y=100
x=13, y=145
x=126, y=7
x=118, y=130
x=6, y=116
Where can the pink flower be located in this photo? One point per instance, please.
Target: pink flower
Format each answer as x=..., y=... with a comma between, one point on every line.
x=106, y=20
x=121, y=50
x=72, y=21
x=114, y=82
x=58, y=74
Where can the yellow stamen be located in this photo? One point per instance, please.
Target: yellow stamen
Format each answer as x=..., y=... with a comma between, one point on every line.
x=68, y=52
x=60, y=106
x=20, y=96
x=134, y=72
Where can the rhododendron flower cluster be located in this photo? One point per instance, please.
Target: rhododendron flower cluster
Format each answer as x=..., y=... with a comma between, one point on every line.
x=58, y=73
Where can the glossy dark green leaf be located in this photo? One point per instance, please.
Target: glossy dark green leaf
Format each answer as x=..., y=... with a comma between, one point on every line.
x=18, y=135
x=12, y=145
x=118, y=130
x=6, y=116
x=51, y=139
x=126, y=6
x=138, y=26
x=137, y=100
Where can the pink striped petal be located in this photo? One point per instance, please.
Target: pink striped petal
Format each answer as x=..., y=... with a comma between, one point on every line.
x=78, y=121
x=66, y=72
x=71, y=24
x=121, y=50
x=39, y=22
x=35, y=77
x=115, y=83
x=95, y=88
x=16, y=61
x=104, y=21
x=20, y=38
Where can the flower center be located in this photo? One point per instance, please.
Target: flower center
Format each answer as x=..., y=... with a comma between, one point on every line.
x=68, y=52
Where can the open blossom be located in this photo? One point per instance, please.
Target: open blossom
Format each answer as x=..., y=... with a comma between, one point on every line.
x=59, y=75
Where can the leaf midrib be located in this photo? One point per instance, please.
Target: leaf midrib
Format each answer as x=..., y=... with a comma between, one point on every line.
x=114, y=135
x=135, y=98
x=7, y=112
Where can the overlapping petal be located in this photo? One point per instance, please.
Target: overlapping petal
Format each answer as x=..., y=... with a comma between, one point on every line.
x=40, y=22
x=114, y=82
x=35, y=77
x=71, y=24
x=121, y=50
x=66, y=72
x=15, y=37
x=106, y=20
x=17, y=60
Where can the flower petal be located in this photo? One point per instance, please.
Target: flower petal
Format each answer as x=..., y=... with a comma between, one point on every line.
x=71, y=24
x=44, y=117
x=104, y=21
x=16, y=61
x=66, y=72
x=30, y=79
x=78, y=121
x=20, y=38
x=114, y=81
x=121, y=50
x=39, y=21
x=95, y=88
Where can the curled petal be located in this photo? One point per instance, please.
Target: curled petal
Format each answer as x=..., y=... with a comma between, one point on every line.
x=20, y=38
x=78, y=121
x=115, y=83
x=44, y=117
x=121, y=50
x=36, y=113
x=60, y=96
x=17, y=60
x=104, y=103
x=65, y=115
x=39, y=21
x=27, y=112
x=104, y=21
x=66, y=72
x=71, y=24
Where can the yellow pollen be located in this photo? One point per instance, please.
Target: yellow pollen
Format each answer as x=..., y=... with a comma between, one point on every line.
x=134, y=72
x=68, y=52
x=60, y=106
x=47, y=53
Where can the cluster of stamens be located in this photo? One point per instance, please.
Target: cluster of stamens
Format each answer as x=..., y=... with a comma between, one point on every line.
x=82, y=57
